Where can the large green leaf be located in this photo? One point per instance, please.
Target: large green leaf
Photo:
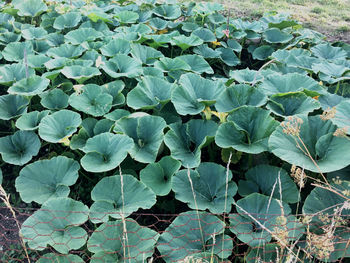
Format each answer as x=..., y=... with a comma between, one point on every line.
x=12, y=106
x=247, y=130
x=149, y=93
x=195, y=93
x=265, y=178
x=236, y=96
x=50, y=179
x=171, y=64
x=267, y=212
x=274, y=35
x=65, y=51
x=147, y=55
x=30, y=86
x=316, y=138
x=78, y=36
x=59, y=125
x=168, y=11
x=342, y=115
x=20, y=147
x=193, y=232
x=116, y=46
x=54, y=99
x=92, y=100
x=186, y=42
x=185, y=141
x=52, y=257
x=328, y=52
x=291, y=82
x=212, y=186
x=80, y=73
x=118, y=196
x=30, y=121
x=159, y=176
x=127, y=17
x=56, y=224
x=30, y=8
x=147, y=133
x=292, y=103
x=105, y=152
x=246, y=76
x=107, y=241
x=15, y=51
x=122, y=65
x=34, y=33
x=197, y=64
x=67, y=20
x=14, y=72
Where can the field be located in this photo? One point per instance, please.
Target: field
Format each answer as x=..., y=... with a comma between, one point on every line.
x=330, y=17
x=140, y=131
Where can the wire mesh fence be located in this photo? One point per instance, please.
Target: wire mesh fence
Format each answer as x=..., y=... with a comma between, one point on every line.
x=71, y=236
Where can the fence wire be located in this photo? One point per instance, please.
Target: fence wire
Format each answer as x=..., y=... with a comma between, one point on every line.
x=186, y=237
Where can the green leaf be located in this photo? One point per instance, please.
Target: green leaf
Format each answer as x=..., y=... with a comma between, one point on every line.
x=266, y=211
x=59, y=125
x=115, y=89
x=265, y=177
x=52, y=257
x=149, y=93
x=116, y=46
x=197, y=64
x=62, y=235
x=50, y=179
x=109, y=202
x=171, y=64
x=92, y=100
x=78, y=36
x=20, y=147
x=31, y=86
x=205, y=34
x=12, y=106
x=290, y=104
x=55, y=99
x=185, y=141
x=80, y=73
x=106, y=241
x=342, y=113
x=30, y=8
x=190, y=233
x=159, y=176
x=127, y=17
x=14, y=72
x=228, y=56
x=147, y=55
x=328, y=52
x=34, y=33
x=186, y=42
x=105, y=151
x=15, y=51
x=65, y=51
x=247, y=130
x=122, y=66
x=331, y=153
x=30, y=121
x=67, y=20
x=291, y=82
x=147, y=134
x=246, y=76
x=274, y=35
x=262, y=52
x=239, y=95
x=209, y=184
x=1, y=177
x=170, y=12
x=195, y=93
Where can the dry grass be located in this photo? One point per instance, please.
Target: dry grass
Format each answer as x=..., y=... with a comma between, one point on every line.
x=330, y=17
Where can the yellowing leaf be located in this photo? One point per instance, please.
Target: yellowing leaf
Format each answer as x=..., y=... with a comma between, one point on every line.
x=99, y=62
x=216, y=43
x=160, y=32
x=65, y=141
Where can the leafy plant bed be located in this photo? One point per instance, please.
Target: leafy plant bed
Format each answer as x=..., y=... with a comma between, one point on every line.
x=167, y=132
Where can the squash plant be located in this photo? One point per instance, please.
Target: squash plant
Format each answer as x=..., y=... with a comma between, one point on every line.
x=112, y=108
